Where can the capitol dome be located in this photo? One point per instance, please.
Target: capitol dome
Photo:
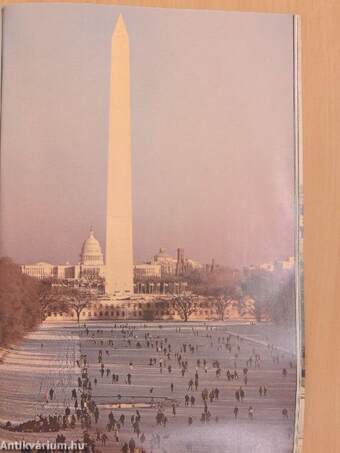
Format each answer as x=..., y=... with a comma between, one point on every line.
x=91, y=252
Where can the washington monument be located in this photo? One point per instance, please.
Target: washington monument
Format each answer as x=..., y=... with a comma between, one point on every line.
x=119, y=252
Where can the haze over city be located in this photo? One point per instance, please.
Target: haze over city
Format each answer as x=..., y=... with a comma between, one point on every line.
x=212, y=132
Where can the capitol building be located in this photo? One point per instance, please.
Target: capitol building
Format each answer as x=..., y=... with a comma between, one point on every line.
x=161, y=275
x=90, y=266
x=155, y=284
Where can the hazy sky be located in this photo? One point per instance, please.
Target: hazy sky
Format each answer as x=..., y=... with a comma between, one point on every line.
x=212, y=131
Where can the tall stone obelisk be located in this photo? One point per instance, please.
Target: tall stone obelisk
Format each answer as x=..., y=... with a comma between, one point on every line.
x=119, y=252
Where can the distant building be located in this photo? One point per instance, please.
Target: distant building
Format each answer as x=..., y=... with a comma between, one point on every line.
x=40, y=270
x=91, y=264
x=175, y=266
x=163, y=275
x=160, y=287
x=145, y=271
x=155, y=284
x=287, y=264
x=267, y=266
x=192, y=265
x=156, y=307
x=181, y=267
x=67, y=271
x=91, y=257
x=168, y=263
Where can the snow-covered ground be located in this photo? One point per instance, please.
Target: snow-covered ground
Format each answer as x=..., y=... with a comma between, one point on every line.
x=44, y=360
x=31, y=370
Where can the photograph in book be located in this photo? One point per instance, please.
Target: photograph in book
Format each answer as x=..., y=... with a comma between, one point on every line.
x=151, y=230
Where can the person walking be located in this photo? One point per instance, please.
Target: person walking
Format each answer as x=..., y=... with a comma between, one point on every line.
x=104, y=439
x=251, y=412
x=190, y=385
x=235, y=412
x=96, y=415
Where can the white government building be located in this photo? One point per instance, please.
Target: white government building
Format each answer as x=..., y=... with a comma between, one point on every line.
x=151, y=301
x=91, y=265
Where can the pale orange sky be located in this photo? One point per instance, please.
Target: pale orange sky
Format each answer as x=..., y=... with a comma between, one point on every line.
x=212, y=131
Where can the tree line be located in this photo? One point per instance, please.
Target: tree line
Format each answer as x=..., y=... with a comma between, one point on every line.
x=26, y=301
x=19, y=310
x=273, y=292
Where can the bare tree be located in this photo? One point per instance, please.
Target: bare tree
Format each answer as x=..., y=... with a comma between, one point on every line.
x=78, y=300
x=222, y=303
x=262, y=286
x=51, y=298
x=185, y=306
x=230, y=297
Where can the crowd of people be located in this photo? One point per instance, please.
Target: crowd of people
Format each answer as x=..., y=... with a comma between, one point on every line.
x=176, y=358
x=186, y=369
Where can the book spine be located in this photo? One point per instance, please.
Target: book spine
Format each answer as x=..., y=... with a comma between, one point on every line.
x=299, y=412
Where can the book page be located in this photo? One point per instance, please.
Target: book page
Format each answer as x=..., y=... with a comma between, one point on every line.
x=151, y=206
